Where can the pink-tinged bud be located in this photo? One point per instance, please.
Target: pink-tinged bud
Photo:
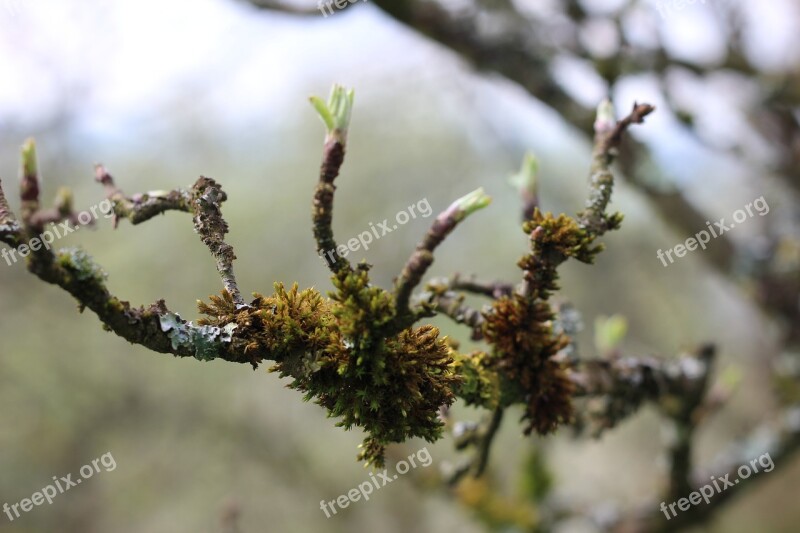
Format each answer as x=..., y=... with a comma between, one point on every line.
x=605, y=120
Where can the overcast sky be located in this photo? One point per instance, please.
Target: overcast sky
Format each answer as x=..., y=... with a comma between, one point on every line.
x=122, y=62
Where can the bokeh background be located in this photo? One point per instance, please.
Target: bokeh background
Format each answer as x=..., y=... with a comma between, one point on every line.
x=164, y=91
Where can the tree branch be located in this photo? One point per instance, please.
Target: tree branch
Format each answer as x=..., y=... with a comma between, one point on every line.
x=141, y=207
x=336, y=116
x=422, y=258
x=203, y=201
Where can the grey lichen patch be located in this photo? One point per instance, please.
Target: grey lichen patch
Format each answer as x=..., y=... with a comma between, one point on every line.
x=205, y=341
x=80, y=264
x=10, y=227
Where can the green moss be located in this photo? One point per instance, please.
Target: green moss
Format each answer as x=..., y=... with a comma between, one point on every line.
x=342, y=353
x=480, y=386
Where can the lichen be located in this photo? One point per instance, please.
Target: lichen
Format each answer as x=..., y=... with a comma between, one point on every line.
x=80, y=264
x=204, y=340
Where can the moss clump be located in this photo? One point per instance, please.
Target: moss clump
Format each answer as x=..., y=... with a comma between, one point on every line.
x=525, y=355
x=480, y=386
x=553, y=241
x=342, y=353
x=520, y=327
x=389, y=383
x=294, y=327
x=393, y=391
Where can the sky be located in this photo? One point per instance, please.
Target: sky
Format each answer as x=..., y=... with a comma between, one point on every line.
x=117, y=67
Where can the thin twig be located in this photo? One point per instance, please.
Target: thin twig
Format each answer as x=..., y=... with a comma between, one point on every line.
x=140, y=208
x=332, y=159
x=422, y=258
x=452, y=305
x=204, y=201
x=209, y=224
x=601, y=180
x=486, y=442
x=492, y=289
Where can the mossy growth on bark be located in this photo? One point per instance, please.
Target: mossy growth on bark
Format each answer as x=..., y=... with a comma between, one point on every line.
x=342, y=353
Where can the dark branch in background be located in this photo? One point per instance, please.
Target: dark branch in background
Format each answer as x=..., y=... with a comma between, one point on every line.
x=678, y=387
x=779, y=437
x=684, y=414
x=479, y=466
x=284, y=7
x=230, y=516
x=479, y=435
x=623, y=384
x=521, y=52
x=492, y=289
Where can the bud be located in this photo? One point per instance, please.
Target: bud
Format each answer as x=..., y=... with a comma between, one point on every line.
x=526, y=180
x=335, y=114
x=29, y=165
x=609, y=332
x=605, y=120
x=468, y=204
x=29, y=183
x=64, y=201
